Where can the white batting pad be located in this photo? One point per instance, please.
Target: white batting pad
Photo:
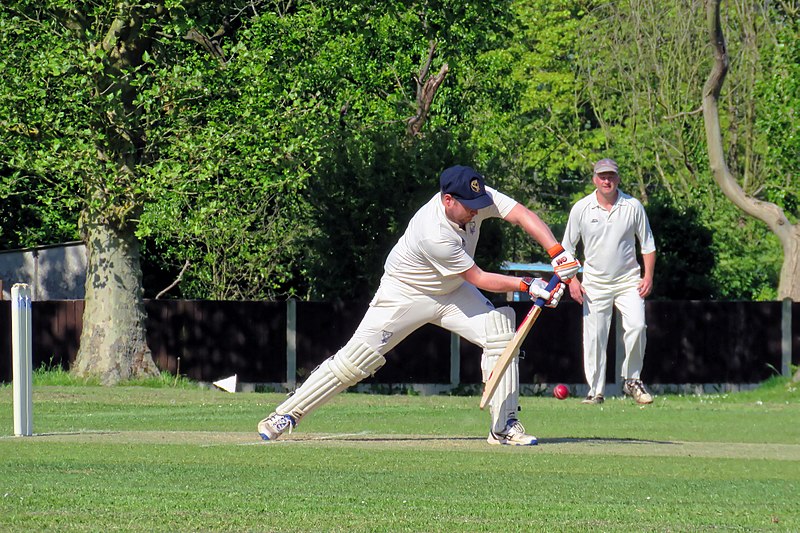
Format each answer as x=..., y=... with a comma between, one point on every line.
x=505, y=401
x=353, y=363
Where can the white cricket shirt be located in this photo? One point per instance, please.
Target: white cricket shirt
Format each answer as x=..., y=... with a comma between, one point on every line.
x=433, y=251
x=609, y=237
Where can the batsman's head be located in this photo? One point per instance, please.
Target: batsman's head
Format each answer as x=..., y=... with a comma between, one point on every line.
x=465, y=185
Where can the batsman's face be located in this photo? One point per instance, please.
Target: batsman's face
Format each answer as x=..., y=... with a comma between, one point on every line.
x=458, y=212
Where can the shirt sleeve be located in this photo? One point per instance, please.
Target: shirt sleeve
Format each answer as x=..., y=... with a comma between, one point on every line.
x=572, y=232
x=644, y=233
x=503, y=204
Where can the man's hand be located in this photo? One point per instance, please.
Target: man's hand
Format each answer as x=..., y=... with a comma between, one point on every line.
x=645, y=287
x=564, y=263
x=576, y=290
x=537, y=288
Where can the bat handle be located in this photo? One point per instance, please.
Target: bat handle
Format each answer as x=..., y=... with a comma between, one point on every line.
x=554, y=281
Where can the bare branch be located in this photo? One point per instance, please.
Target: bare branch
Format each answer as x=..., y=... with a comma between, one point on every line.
x=177, y=280
x=426, y=90
x=684, y=114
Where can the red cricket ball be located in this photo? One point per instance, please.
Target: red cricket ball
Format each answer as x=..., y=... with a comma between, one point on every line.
x=560, y=391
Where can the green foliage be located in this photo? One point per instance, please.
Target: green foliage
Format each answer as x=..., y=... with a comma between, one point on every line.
x=37, y=205
x=643, y=66
x=685, y=255
x=48, y=375
x=748, y=255
x=282, y=166
x=779, y=117
x=527, y=126
x=163, y=380
x=644, y=78
x=310, y=142
x=364, y=195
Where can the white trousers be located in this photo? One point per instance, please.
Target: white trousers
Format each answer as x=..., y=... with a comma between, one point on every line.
x=598, y=305
x=396, y=311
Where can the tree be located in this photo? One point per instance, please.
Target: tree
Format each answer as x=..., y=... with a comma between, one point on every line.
x=245, y=136
x=525, y=124
x=400, y=121
x=771, y=214
x=78, y=108
x=644, y=70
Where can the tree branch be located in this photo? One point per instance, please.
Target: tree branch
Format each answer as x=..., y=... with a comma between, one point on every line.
x=684, y=113
x=426, y=90
x=177, y=280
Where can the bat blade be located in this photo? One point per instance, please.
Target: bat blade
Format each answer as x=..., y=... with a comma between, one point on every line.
x=516, y=342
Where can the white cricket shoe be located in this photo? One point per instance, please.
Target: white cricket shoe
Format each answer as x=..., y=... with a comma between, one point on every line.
x=275, y=425
x=513, y=435
x=635, y=389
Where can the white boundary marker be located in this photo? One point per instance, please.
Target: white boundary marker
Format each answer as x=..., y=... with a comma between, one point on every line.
x=227, y=384
x=22, y=359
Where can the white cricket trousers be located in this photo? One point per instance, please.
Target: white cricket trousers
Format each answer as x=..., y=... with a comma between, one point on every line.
x=598, y=305
x=396, y=311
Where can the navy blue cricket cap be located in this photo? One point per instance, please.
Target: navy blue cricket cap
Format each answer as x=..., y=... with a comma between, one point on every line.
x=465, y=185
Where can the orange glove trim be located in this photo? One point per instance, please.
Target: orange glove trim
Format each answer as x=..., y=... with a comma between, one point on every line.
x=555, y=250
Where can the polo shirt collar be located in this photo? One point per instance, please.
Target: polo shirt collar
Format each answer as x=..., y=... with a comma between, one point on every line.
x=620, y=201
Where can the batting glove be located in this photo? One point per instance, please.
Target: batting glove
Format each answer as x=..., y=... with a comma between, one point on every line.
x=537, y=288
x=564, y=263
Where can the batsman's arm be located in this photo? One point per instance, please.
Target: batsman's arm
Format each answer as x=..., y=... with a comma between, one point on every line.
x=490, y=281
x=533, y=225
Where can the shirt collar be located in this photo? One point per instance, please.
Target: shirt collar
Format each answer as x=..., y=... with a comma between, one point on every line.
x=622, y=199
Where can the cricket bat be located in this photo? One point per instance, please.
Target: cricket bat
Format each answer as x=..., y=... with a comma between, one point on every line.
x=508, y=354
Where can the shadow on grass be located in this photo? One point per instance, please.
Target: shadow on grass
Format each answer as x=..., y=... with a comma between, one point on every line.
x=450, y=438
x=601, y=440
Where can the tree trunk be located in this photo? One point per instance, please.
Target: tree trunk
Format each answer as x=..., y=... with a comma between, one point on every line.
x=769, y=213
x=113, y=342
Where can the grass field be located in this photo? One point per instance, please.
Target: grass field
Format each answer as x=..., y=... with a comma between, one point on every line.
x=188, y=459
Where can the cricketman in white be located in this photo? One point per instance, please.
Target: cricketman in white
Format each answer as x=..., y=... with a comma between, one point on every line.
x=430, y=276
x=608, y=221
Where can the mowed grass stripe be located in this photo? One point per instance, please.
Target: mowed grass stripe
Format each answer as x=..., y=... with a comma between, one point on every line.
x=364, y=439
x=134, y=459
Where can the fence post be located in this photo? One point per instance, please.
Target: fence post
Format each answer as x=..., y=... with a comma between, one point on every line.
x=455, y=359
x=22, y=359
x=786, y=338
x=291, y=344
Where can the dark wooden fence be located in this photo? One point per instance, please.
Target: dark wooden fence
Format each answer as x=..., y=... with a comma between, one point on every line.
x=688, y=342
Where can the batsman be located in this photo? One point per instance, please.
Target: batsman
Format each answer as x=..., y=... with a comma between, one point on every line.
x=430, y=277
